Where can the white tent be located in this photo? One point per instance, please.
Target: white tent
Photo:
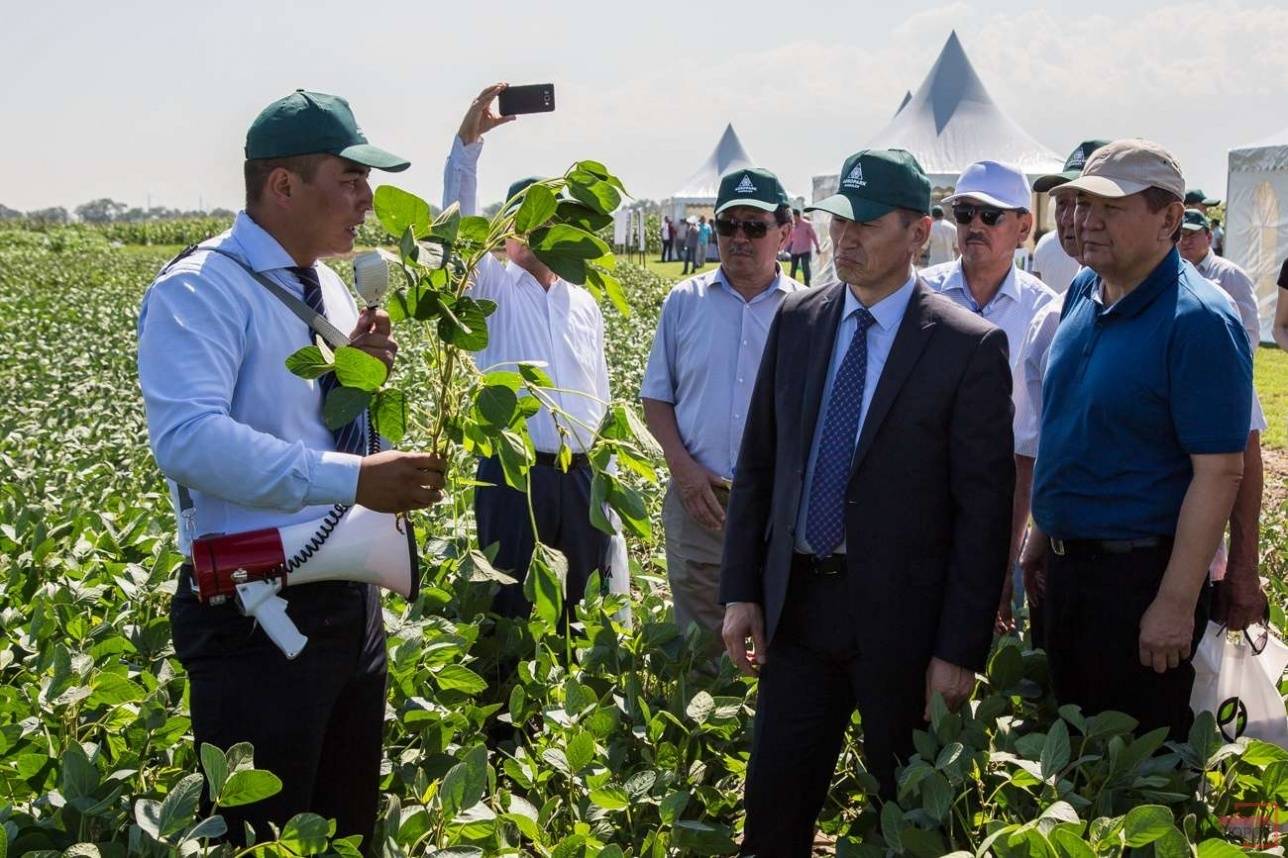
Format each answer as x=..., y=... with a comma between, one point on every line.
x=700, y=189
x=949, y=123
x=1256, y=218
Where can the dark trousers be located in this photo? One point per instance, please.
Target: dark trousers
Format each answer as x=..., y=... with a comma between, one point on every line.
x=801, y=259
x=813, y=679
x=1094, y=605
x=316, y=722
x=690, y=259
x=666, y=249
x=561, y=503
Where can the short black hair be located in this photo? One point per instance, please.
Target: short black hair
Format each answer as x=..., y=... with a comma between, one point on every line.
x=256, y=172
x=783, y=215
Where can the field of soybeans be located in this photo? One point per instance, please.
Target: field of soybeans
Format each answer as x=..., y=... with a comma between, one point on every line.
x=627, y=745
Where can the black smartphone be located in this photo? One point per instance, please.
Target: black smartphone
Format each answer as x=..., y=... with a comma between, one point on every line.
x=535, y=98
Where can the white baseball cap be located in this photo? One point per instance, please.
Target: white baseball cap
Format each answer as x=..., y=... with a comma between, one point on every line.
x=992, y=183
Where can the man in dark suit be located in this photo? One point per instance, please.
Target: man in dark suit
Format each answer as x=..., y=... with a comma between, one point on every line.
x=869, y=524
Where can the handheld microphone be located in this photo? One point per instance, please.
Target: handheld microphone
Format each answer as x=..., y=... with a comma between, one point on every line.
x=371, y=277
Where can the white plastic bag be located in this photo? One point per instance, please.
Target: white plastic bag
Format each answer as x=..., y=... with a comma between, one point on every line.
x=1240, y=686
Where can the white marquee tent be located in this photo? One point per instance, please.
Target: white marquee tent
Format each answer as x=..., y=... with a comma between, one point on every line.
x=700, y=189
x=950, y=122
x=1256, y=213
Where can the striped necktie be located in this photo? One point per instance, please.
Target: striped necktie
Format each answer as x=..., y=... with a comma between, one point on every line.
x=349, y=438
x=825, y=523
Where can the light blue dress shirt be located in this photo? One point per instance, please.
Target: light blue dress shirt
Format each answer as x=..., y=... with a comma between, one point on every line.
x=225, y=416
x=888, y=313
x=705, y=358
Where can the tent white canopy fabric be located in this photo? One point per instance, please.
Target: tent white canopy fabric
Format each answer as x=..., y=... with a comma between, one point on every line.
x=949, y=123
x=1256, y=213
x=700, y=189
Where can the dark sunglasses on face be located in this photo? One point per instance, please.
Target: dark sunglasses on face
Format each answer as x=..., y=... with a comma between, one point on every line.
x=753, y=229
x=988, y=216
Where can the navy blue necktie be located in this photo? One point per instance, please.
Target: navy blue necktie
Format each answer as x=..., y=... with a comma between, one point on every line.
x=349, y=438
x=825, y=526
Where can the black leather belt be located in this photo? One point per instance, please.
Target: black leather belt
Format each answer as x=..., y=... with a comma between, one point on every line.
x=1093, y=547
x=831, y=565
x=551, y=460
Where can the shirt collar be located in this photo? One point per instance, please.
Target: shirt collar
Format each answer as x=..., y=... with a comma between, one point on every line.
x=262, y=251
x=782, y=283
x=1206, y=260
x=1165, y=274
x=957, y=281
x=888, y=312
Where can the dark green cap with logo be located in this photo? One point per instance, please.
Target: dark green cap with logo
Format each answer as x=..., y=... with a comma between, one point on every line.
x=751, y=186
x=1196, y=197
x=1195, y=220
x=314, y=123
x=875, y=182
x=1072, y=166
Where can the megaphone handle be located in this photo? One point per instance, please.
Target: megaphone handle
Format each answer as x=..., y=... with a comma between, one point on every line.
x=259, y=599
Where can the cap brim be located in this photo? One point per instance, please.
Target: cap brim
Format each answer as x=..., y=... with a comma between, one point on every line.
x=856, y=209
x=1103, y=186
x=986, y=199
x=755, y=204
x=1192, y=227
x=374, y=157
x=1043, y=184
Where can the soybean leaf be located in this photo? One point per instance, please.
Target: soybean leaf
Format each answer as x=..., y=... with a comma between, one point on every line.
x=1146, y=823
x=496, y=404
x=215, y=765
x=306, y=834
x=610, y=797
x=593, y=192
x=308, y=362
x=539, y=205
x=342, y=405
x=566, y=250
x=611, y=286
x=458, y=677
x=389, y=414
x=543, y=587
x=464, y=324
x=356, y=368
x=447, y=224
x=1055, y=751
x=702, y=838
x=672, y=806
x=473, y=229
x=599, y=171
x=580, y=750
x=180, y=805
x=700, y=707
x=248, y=786
x=535, y=375
x=397, y=210
x=581, y=216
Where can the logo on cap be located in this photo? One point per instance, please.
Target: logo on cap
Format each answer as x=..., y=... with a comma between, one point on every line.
x=855, y=179
x=745, y=186
x=1076, y=160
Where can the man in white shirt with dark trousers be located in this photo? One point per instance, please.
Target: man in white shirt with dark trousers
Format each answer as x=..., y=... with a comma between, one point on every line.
x=539, y=318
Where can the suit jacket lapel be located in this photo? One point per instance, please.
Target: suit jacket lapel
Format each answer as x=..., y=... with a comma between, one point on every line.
x=914, y=331
x=822, y=328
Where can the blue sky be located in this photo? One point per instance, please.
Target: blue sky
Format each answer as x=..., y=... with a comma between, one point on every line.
x=136, y=99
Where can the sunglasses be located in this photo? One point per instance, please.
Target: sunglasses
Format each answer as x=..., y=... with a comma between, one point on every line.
x=987, y=216
x=753, y=229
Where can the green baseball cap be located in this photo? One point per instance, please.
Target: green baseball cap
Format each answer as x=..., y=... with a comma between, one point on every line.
x=752, y=186
x=1196, y=197
x=313, y=123
x=875, y=182
x=522, y=185
x=1194, y=221
x=1072, y=166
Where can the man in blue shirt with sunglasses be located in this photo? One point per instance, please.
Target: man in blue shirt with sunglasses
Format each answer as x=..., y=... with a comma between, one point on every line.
x=698, y=384
x=991, y=208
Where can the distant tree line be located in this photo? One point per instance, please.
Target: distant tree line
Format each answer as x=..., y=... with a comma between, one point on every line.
x=107, y=210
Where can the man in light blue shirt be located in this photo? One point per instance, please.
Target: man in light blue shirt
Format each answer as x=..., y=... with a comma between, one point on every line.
x=228, y=421
x=990, y=205
x=699, y=379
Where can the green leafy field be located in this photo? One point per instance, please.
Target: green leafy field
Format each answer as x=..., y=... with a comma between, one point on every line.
x=626, y=746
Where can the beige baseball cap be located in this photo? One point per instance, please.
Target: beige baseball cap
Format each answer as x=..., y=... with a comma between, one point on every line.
x=1126, y=167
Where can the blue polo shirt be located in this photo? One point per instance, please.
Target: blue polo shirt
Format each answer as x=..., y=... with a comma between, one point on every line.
x=1130, y=393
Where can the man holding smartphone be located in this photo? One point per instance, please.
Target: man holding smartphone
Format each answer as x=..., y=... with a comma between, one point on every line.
x=540, y=318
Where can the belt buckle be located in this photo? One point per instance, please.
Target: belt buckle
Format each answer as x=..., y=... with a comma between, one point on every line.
x=1057, y=545
x=826, y=565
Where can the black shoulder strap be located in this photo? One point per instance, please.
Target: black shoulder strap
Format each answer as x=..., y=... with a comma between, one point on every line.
x=315, y=320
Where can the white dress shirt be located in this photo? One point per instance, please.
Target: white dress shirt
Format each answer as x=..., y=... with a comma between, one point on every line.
x=1017, y=302
x=560, y=328
x=1055, y=267
x=226, y=418
x=888, y=313
x=705, y=358
x=943, y=242
x=1235, y=283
